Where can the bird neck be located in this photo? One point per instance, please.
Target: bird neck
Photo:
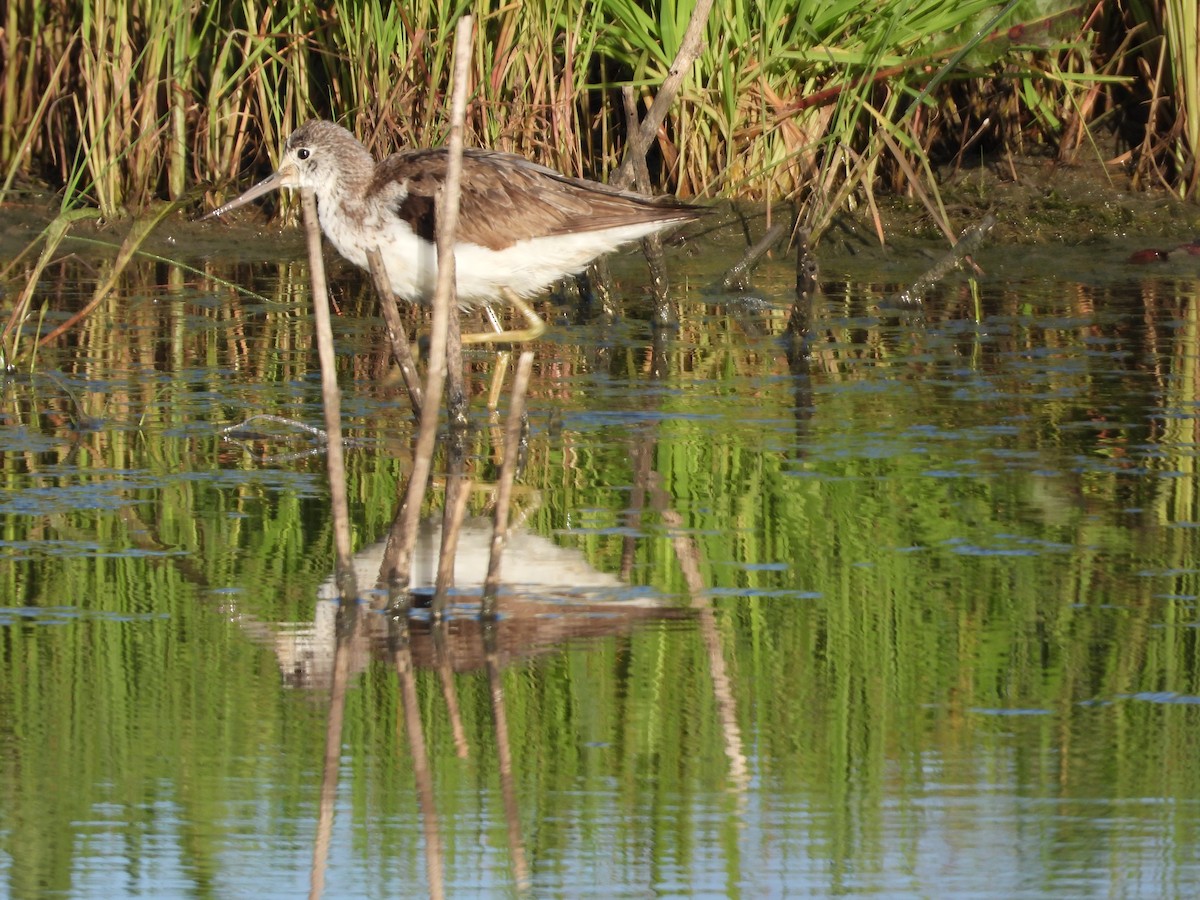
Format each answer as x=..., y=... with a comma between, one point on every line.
x=352, y=178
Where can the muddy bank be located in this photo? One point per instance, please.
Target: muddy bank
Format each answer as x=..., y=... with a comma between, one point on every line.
x=1038, y=200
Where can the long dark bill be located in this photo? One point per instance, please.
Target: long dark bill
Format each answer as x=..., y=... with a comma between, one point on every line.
x=268, y=184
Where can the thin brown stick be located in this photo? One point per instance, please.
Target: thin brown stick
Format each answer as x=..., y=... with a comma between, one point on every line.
x=641, y=174
x=331, y=402
x=410, y=716
x=967, y=244
x=652, y=247
x=807, y=270
x=504, y=759
x=443, y=300
x=690, y=559
x=689, y=49
x=443, y=662
x=508, y=473
x=456, y=384
x=349, y=637
x=457, y=482
x=737, y=276
x=457, y=494
x=397, y=335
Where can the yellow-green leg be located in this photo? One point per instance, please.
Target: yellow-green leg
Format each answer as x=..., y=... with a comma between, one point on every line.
x=513, y=336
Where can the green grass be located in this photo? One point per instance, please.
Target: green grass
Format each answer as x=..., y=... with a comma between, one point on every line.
x=1182, y=33
x=115, y=103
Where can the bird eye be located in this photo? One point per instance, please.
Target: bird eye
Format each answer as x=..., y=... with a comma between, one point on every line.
x=302, y=153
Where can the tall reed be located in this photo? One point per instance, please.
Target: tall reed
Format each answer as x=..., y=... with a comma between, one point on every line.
x=1182, y=33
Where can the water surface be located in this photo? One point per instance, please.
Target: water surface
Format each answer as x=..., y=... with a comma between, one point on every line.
x=905, y=607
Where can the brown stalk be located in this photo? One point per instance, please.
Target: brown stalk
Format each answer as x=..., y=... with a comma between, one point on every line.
x=349, y=643
x=400, y=576
x=508, y=472
x=457, y=494
x=331, y=404
x=397, y=335
x=652, y=245
x=690, y=559
x=689, y=50
x=504, y=760
x=401, y=647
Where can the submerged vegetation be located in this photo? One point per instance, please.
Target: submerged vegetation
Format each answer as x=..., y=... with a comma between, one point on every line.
x=115, y=103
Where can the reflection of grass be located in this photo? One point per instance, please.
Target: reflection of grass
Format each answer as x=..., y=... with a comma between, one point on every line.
x=11, y=348
x=11, y=352
x=858, y=667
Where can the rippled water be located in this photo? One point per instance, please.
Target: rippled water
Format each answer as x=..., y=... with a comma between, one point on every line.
x=906, y=608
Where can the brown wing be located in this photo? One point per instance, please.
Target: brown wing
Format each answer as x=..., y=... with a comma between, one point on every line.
x=506, y=198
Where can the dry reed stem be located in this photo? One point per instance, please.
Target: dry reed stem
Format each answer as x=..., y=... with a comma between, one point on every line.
x=508, y=473
x=456, y=508
x=737, y=276
x=652, y=247
x=690, y=559
x=410, y=703
x=331, y=403
x=443, y=662
x=504, y=757
x=689, y=50
x=349, y=637
x=397, y=335
x=447, y=223
x=456, y=480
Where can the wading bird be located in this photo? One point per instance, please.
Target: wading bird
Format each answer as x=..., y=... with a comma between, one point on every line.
x=521, y=226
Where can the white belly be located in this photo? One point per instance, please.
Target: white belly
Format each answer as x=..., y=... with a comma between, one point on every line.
x=526, y=268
